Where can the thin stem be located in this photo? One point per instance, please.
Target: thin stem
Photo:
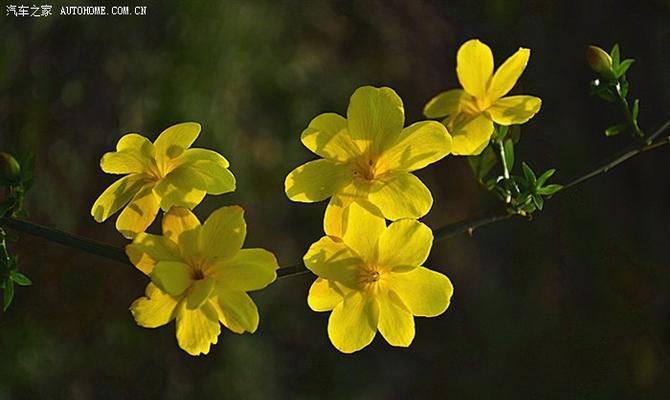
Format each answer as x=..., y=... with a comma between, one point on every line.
x=625, y=108
x=466, y=226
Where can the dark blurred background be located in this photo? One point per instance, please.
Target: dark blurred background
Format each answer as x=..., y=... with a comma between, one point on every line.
x=574, y=305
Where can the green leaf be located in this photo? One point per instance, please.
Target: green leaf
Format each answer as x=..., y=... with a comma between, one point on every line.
x=529, y=174
x=509, y=153
x=539, y=201
x=500, y=132
x=543, y=178
x=20, y=279
x=8, y=295
x=636, y=109
x=622, y=68
x=615, y=54
x=549, y=189
x=615, y=129
x=482, y=164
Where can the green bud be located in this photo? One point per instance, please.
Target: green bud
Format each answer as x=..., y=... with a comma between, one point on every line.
x=9, y=167
x=600, y=62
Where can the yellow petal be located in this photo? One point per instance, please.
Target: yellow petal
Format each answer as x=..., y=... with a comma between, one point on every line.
x=249, y=269
x=445, y=103
x=316, y=180
x=238, y=309
x=514, y=110
x=362, y=231
x=182, y=188
x=174, y=277
x=155, y=309
x=181, y=226
x=472, y=136
x=328, y=137
x=197, y=329
x=400, y=194
x=199, y=293
x=211, y=168
x=375, y=118
x=474, y=67
x=396, y=324
x=353, y=323
x=139, y=213
x=173, y=141
x=426, y=293
x=136, y=141
x=331, y=259
x=336, y=216
x=128, y=161
x=508, y=73
x=117, y=195
x=420, y=144
x=325, y=294
x=223, y=233
x=405, y=244
x=146, y=250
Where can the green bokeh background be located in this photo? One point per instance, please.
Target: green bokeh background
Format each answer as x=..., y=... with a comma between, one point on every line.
x=575, y=305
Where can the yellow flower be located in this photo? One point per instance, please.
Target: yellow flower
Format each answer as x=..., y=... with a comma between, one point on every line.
x=372, y=280
x=199, y=276
x=368, y=158
x=471, y=111
x=162, y=174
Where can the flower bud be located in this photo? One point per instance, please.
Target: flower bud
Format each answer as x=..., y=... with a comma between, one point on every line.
x=600, y=62
x=9, y=167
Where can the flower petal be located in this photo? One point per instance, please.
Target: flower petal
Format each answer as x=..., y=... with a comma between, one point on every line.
x=173, y=141
x=316, y=180
x=400, y=194
x=173, y=277
x=249, y=269
x=508, y=73
x=514, y=110
x=211, y=168
x=139, y=214
x=146, y=250
x=396, y=323
x=336, y=215
x=324, y=294
x=328, y=137
x=445, y=103
x=182, y=188
x=155, y=309
x=405, y=244
x=238, y=310
x=471, y=136
x=331, y=259
x=197, y=329
x=474, y=67
x=199, y=293
x=136, y=141
x=181, y=226
x=117, y=195
x=375, y=118
x=420, y=144
x=223, y=233
x=426, y=293
x=353, y=323
x=362, y=231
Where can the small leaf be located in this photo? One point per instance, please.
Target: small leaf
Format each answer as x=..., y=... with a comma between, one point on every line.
x=482, y=164
x=543, y=178
x=623, y=67
x=8, y=295
x=615, y=130
x=509, y=153
x=549, y=189
x=529, y=174
x=20, y=279
x=615, y=54
x=500, y=132
x=539, y=201
x=636, y=109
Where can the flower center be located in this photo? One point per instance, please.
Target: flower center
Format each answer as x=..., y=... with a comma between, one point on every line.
x=482, y=103
x=365, y=169
x=370, y=278
x=197, y=274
